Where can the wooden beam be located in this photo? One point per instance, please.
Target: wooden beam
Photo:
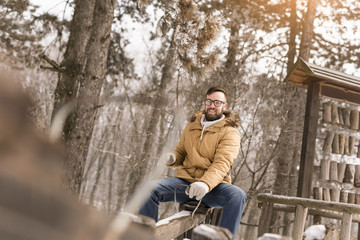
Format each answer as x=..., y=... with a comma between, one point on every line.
x=315, y=212
x=308, y=141
x=177, y=224
x=310, y=203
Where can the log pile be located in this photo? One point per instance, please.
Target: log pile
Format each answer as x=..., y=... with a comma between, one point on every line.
x=341, y=177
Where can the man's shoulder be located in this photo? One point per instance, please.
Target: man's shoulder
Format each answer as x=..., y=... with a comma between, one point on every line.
x=196, y=115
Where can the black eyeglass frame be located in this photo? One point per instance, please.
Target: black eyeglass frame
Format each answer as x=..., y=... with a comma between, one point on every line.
x=217, y=103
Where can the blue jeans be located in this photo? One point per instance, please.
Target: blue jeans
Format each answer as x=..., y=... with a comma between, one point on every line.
x=226, y=196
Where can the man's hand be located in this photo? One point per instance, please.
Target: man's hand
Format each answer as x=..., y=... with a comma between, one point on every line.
x=198, y=190
x=168, y=158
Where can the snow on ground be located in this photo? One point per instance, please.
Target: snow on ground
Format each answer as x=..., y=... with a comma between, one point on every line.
x=315, y=232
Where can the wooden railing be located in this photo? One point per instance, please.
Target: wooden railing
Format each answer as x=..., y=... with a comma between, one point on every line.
x=303, y=205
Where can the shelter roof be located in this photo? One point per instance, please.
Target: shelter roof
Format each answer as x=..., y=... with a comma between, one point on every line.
x=333, y=84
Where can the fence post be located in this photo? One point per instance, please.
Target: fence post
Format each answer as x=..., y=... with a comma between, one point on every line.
x=299, y=223
x=345, y=226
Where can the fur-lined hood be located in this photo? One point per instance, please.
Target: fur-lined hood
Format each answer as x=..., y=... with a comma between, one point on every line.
x=231, y=117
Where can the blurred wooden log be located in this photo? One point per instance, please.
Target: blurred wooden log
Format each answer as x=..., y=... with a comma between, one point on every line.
x=346, y=117
x=335, y=144
x=326, y=192
x=357, y=176
x=344, y=196
x=349, y=173
x=341, y=118
x=318, y=193
x=358, y=151
x=342, y=141
x=327, y=112
x=354, y=119
x=334, y=114
x=328, y=141
x=351, y=197
x=335, y=195
x=346, y=145
x=211, y=232
x=341, y=171
x=357, y=198
x=351, y=145
x=333, y=171
x=324, y=169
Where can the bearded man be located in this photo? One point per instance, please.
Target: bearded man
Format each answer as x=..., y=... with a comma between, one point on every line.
x=203, y=157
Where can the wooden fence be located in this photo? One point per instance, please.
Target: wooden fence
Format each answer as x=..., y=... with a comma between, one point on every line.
x=303, y=206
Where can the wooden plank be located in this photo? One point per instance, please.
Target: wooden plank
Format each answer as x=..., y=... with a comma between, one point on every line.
x=345, y=226
x=309, y=140
x=299, y=223
x=310, y=203
x=177, y=224
x=315, y=212
x=340, y=94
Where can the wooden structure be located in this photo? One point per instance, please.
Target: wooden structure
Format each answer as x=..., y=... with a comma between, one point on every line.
x=320, y=82
x=339, y=133
x=303, y=205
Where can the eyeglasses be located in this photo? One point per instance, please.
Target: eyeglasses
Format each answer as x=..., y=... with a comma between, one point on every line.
x=217, y=103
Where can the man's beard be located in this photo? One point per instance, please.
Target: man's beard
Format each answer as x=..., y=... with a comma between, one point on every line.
x=213, y=117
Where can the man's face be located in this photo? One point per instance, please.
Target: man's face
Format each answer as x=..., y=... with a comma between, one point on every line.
x=213, y=112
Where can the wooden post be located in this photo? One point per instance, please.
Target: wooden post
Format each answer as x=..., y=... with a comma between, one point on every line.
x=265, y=218
x=345, y=226
x=309, y=140
x=299, y=223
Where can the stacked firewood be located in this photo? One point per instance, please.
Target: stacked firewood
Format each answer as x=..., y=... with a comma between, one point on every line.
x=340, y=139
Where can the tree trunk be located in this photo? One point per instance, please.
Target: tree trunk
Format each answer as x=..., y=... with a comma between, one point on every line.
x=308, y=29
x=292, y=35
x=85, y=63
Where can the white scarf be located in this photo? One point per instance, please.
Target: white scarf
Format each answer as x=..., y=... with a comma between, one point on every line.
x=205, y=124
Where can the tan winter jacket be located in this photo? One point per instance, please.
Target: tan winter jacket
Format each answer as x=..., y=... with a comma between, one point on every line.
x=208, y=160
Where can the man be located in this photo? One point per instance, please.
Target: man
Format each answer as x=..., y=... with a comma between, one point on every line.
x=208, y=146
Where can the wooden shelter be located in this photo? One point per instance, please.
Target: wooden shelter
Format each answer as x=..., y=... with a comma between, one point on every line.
x=326, y=83
x=338, y=183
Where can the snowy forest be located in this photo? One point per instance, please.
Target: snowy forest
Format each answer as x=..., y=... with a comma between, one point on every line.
x=125, y=77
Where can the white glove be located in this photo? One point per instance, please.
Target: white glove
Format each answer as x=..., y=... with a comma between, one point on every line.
x=198, y=190
x=168, y=158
